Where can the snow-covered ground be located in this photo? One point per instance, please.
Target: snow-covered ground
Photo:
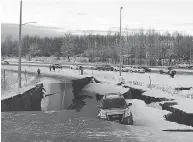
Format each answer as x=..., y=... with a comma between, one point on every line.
x=185, y=105
x=11, y=85
x=160, y=82
x=105, y=88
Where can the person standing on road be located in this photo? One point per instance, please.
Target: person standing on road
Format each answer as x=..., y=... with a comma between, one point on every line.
x=38, y=71
x=50, y=67
x=80, y=69
x=172, y=74
x=54, y=67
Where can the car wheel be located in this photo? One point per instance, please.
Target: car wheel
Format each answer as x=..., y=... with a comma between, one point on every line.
x=161, y=72
x=131, y=119
x=128, y=120
x=135, y=71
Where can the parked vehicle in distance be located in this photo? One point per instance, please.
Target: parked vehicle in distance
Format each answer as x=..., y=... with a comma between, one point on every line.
x=116, y=68
x=105, y=68
x=166, y=70
x=113, y=107
x=191, y=66
x=146, y=69
x=123, y=69
x=127, y=69
x=75, y=67
x=183, y=65
x=93, y=67
x=137, y=69
x=4, y=62
x=57, y=66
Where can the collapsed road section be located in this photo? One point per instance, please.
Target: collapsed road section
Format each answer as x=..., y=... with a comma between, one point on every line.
x=31, y=100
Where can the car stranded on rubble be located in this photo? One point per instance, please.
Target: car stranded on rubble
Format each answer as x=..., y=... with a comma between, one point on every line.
x=113, y=107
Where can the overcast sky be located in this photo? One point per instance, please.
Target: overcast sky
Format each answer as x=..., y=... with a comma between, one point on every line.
x=102, y=15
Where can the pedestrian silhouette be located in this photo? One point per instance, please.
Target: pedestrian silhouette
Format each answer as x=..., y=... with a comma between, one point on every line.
x=50, y=67
x=38, y=71
x=172, y=74
x=53, y=67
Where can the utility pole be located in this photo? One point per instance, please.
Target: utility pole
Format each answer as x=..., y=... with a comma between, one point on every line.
x=136, y=54
x=191, y=53
x=20, y=46
x=120, y=44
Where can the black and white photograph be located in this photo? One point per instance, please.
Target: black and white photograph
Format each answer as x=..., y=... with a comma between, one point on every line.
x=96, y=70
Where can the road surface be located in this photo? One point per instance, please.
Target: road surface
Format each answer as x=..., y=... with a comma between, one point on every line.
x=153, y=69
x=81, y=124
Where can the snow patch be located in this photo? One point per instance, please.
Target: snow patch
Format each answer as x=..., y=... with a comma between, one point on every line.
x=104, y=88
x=185, y=105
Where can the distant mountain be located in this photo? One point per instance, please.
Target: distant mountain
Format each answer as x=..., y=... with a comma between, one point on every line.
x=8, y=29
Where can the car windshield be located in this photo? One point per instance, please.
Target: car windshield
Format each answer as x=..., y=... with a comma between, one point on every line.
x=114, y=103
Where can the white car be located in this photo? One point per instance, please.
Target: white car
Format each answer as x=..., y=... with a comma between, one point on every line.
x=123, y=69
x=4, y=62
x=116, y=68
x=191, y=66
x=75, y=67
x=113, y=107
x=183, y=65
x=137, y=69
x=167, y=70
x=128, y=69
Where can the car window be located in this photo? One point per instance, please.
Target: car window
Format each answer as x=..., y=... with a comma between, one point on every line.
x=113, y=103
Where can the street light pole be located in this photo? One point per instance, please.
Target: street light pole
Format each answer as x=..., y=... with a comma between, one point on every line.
x=120, y=44
x=191, y=53
x=20, y=46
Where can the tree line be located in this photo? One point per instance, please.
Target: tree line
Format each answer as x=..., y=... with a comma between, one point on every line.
x=141, y=47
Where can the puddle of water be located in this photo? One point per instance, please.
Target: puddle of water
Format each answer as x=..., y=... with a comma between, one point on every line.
x=60, y=95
